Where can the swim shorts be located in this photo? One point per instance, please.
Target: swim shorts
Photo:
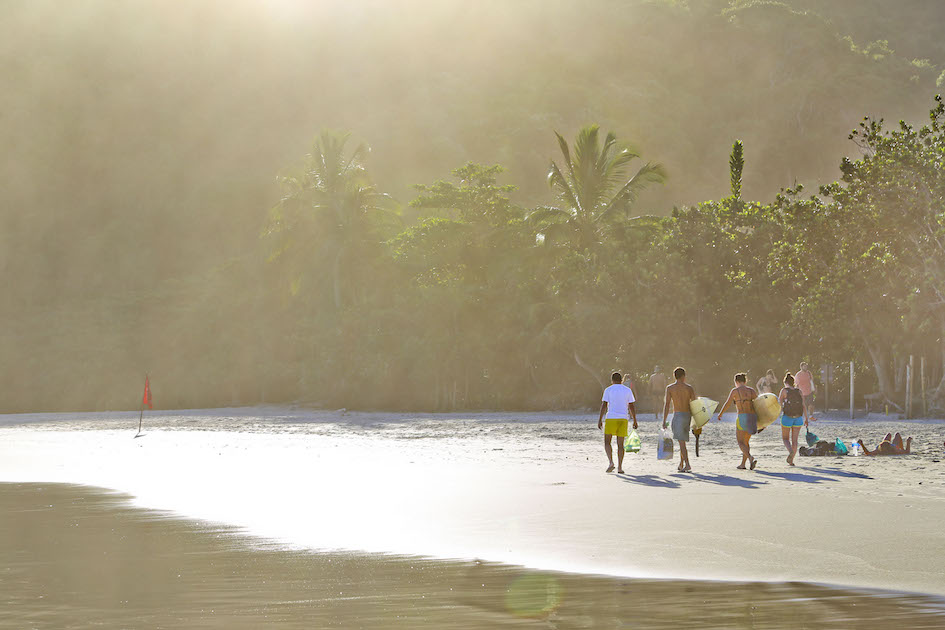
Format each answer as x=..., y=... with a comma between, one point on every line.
x=747, y=422
x=787, y=421
x=808, y=400
x=682, y=420
x=616, y=426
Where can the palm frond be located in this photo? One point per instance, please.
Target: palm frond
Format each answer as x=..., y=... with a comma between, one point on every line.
x=547, y=215
x=557, y=182
x=566, y=152
x=649, y=173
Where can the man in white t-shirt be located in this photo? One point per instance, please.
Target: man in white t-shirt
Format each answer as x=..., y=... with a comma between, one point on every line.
x=617, y=403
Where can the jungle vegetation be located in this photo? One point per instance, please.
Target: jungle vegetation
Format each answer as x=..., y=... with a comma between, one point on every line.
x=465, y=205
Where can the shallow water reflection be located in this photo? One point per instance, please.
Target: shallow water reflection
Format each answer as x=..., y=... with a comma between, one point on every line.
x=74, y=557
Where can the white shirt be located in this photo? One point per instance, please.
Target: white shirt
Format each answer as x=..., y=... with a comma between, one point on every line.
x=618, y=397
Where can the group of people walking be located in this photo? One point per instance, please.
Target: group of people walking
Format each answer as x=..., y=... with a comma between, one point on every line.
x=796, y=398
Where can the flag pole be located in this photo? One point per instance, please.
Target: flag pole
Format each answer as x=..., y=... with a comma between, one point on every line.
x=140, y=419
x=146, y=399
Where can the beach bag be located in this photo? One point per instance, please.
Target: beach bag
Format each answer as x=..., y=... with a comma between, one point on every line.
x=793, y=403
x=811, y=438
x=664, y=449
x=632, y=443
x=840, y=448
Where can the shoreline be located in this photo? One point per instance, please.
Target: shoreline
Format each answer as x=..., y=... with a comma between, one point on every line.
x=528, y=493
x=201, y=575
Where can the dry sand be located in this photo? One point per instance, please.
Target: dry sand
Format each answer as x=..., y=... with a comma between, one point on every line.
x=523, y=489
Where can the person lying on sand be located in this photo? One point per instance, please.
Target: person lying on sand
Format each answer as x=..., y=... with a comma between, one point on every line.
x=746, y=425
x=617, y=403
x=891, y=445
x=818, y=449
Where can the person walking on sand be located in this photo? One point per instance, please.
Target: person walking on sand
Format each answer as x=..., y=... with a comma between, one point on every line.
x=680, y=394
x=767, y=383
x=792, y=412
x=805, y=383
x=746, y=424
x=617, y=404
x=628, y=381
x=657, y=389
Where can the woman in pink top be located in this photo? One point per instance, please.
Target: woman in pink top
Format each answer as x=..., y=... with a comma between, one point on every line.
x=805, y=382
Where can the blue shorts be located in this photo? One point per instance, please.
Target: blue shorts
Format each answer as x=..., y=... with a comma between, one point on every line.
x=788, y=422
x=747, y=422
x=682, y=420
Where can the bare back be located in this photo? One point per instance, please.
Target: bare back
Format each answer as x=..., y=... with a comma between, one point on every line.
x=742, y=396
x=657, y=382
x=681, y=394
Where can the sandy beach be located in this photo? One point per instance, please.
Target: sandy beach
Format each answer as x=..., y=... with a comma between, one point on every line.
x=520, y=489
x=76, y=557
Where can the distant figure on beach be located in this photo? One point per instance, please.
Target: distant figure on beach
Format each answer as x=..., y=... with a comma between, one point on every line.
x=657, y=389
x=891, y=445
x=792, y=415
x=617, y=404
x=746, y=425
x=680, y=394
x=767, y=383
x=805, y=383
x=628, y=381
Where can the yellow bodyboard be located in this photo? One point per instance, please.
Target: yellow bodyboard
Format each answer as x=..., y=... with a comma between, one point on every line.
x=767, y=408
x=702, y=410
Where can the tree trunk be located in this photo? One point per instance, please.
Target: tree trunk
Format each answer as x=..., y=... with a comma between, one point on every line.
x=881, y=367
x=589, y=370
x=336, y=278
x=939, y=392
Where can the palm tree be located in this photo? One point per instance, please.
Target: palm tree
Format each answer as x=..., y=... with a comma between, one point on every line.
x=330, y=211
x=593, y=188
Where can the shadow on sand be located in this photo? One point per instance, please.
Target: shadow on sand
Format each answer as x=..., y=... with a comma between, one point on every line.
x=727, y=480
x=657, y=481
x=649, y=480
x=795, y=476
x=839, y=473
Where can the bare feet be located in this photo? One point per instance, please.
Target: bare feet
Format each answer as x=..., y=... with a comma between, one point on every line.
x=687, y=469
x=610, y=468
x=620, y=471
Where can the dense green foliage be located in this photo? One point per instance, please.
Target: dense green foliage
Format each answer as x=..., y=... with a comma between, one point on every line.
x=135, y=233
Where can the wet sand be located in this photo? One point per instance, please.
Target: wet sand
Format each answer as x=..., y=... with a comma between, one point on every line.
x=517, y=489
x=77, y=557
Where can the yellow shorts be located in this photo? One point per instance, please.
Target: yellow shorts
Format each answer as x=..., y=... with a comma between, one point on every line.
x=616, y=426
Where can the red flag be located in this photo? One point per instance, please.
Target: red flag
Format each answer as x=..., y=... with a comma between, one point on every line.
x=147, y=394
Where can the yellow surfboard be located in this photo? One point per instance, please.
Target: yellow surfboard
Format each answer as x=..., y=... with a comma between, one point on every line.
x=767, y=408
x=702, y=410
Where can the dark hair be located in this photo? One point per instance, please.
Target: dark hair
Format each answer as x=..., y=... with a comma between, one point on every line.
x=741, y=377
x=789, y=379
x=679, y=373
x=616, y=377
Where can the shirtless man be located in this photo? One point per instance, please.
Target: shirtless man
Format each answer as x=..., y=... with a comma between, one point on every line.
x=747, y=423
x=657, y=389
x=680, y=394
